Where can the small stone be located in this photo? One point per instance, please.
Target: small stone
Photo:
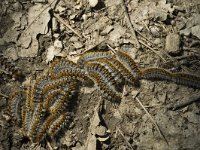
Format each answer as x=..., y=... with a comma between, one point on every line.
x=157, y=41
x=11, y=52
x=155, y=30
x=54, y=24
x=39, y=1
x=172, y=44
x=196, y=31
x=78, y=45
x=93, y=3
x=58, y=44
x=100, y=130
x=107, y=30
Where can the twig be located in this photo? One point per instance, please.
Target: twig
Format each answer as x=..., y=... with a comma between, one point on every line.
x=68, y=26
x=3, y=95
x=153, y=121
x=185, y=103
x=49, y=146
x=153, y=50
x=125, y=139
x=130, y=24
x=112, y=49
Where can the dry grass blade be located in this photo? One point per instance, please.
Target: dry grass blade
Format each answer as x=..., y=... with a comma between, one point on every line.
x=68, y=26
x=153, y=121
x=157, y=53
x=129, y=145
x=130, y=25
x=3, y=95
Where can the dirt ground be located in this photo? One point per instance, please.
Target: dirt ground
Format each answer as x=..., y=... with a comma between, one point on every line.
x=158, y=115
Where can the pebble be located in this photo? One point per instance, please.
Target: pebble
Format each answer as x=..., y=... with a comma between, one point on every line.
x=58, y=44
x=196, y=31
x=93, y=3
x=172, y=44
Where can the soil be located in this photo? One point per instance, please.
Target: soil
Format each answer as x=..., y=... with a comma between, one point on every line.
x=127, y=125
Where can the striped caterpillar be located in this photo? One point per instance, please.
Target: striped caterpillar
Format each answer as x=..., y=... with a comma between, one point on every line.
x=104, y=80
x=45, y=108
x=179, y=78
x=89, y=56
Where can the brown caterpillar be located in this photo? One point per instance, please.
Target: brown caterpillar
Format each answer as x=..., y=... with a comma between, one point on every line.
x=126, y=74
x=42, y=131
x=129, y=63
x=58, y=124
x=15, y=102
x=36, y=121
x=104, y=81
x=156, y=74
x=186, y=79
x=115, y=73
x=89, y=56
x=46, y=107
x=179, y=78
x=58, y=66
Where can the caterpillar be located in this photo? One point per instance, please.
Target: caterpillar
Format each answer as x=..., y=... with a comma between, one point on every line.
x=104, y=81
x=36, y=121
x=129, y=63
x=45, y=108
x=42, y=131
x=58, y=124
x=58, y=66
x=156, y=74
x=115, y=73
x=14, y=104
x=126, y=74
x=186, y=79
x=63, y=100
x=179, y=78
x=89, y=56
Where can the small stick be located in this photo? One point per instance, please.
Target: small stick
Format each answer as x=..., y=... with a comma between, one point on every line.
x=3, y=95
x=112, y=49
x=125, y=139
x=153, y=50
x=68, y=26
x=130, y=24
x=185, y=103
x=153, y=121
x=49, y=145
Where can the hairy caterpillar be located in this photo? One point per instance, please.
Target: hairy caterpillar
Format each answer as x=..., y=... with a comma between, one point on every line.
x=36, y=121
x=104, y=81
x=126, y=74
x=179, y=78
x=186, y=79
x=46, y=108
x=89, y=56
x=129, y=63
x=63, y=65
x=58, y=124
x=14, y=104
x=156, y=74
